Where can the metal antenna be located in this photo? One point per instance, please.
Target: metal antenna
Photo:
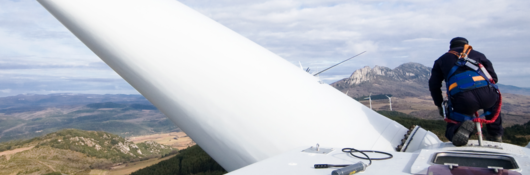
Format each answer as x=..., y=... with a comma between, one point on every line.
x=338, y=64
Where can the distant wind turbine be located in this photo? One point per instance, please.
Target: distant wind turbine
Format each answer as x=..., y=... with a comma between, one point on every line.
x=390, y=101
x=370, y=99
x=301, y=67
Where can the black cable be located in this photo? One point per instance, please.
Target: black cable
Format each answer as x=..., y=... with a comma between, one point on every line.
x=330, y=165
x=352, y=150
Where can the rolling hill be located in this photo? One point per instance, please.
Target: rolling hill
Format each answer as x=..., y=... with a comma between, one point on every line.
x=72, y=151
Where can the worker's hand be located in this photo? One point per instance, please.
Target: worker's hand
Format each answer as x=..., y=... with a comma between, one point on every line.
x=440, y=111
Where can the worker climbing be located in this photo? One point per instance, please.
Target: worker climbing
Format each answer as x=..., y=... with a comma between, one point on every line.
x=470, y=81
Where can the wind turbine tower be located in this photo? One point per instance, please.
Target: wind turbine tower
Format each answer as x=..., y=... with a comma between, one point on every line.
x=390, y=101
x=370, y=99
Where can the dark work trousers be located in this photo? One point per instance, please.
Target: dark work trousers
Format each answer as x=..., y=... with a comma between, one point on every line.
x=471, y=101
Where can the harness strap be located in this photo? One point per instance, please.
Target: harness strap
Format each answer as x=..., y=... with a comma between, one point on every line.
x=465, y=52
x=453, y=70
x=447, y=120
x=463, y=56
x=454, y=53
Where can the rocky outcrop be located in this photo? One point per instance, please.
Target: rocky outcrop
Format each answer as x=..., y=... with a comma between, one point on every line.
x=413, y=71
x=409, y=79
x=85, y=141
x=407, y=71
x=366, y=74
x=124, y=148
x=154, y=147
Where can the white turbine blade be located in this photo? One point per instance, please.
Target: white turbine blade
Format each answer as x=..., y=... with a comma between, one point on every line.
x=173, y=56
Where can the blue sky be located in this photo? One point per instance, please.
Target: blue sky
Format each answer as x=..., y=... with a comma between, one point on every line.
x=39, y=55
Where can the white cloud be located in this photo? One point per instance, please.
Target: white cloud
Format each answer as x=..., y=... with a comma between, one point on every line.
x=309, y=31
x=318, y=33
x=421, y=40
x=39, y=55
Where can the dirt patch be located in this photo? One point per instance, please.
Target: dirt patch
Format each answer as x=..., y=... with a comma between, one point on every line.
x=117, y=167
x=98, y=172
x=11, y=152
x=177, y=140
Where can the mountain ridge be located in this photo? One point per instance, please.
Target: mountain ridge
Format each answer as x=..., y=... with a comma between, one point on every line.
x=407, y=80
x=408, y=86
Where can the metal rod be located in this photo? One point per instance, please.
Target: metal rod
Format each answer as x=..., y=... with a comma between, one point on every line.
x=443, y=109
x=338, y=64
x=479, y=132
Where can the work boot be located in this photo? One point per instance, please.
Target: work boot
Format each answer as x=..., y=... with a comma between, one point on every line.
x=494, y=138
x=464, y=131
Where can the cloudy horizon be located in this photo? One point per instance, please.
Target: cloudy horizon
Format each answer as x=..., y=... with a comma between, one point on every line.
x=39, y=55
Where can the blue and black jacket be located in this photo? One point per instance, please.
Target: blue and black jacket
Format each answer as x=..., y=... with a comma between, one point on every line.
x=443, y=65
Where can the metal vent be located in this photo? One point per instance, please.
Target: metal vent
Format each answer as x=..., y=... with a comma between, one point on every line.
x=475, y=160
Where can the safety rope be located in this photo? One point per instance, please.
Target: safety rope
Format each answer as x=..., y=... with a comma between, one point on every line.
x=495, y=116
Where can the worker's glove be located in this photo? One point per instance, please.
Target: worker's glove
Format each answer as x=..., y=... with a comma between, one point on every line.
x=441, y=111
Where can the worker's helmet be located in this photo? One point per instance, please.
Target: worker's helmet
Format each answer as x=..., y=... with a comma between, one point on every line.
x=459, y=40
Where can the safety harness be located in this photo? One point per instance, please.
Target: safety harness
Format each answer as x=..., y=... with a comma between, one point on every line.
x=475, y=76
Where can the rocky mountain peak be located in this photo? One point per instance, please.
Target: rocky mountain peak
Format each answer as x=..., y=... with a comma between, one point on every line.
x=366, y=74
x=409, y=79
x=405, y=72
